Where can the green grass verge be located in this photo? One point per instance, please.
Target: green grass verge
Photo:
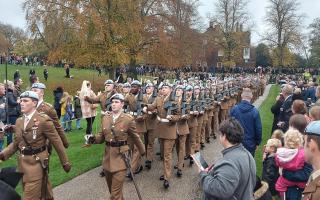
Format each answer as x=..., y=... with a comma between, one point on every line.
x=267, y=120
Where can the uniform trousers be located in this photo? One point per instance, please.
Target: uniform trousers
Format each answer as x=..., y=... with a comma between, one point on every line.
x=168, y=145
x=191, y=141
x=32, y=190
x=150, y=144
x=181, y=149
x=115, y=182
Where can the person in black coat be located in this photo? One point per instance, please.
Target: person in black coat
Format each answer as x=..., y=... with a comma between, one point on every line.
x=275, y=109
x=77, y=110
x=13, y=109
x=57, y=97
x=270, y=171
x=285, y=109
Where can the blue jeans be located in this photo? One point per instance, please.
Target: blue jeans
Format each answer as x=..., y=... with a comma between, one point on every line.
x=1, y=145
x=78, y=123
x=65, y=121
x=12, y=121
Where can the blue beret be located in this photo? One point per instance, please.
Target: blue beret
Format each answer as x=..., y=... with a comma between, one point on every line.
x=313, y=128
x=127, y=85
x=136, y=82
x=117, y=96
x=109, y=81
x=29, y=94
x=39, y=86
x=149, y=85
x=189, y=88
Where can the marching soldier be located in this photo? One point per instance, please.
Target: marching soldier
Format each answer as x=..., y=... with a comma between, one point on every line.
x=104, y=97
x=48, y=109
x=182, y=128
x=31, y=133
x=192, y=125
x=117, y=129
x=215, y=111
x=224, y=105
x=208, y=129
x=167, y=128
x=151, y=121
x=133, y=100
x=199, y=118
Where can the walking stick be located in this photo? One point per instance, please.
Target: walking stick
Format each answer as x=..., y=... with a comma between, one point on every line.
x=128, y=164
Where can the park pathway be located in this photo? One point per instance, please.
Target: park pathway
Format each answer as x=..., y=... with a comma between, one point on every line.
x=89, y=186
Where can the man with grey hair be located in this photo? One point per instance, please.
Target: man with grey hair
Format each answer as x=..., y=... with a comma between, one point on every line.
x=285, y=110
x=249, y=118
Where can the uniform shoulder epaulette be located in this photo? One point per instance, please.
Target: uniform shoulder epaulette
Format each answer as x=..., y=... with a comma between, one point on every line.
x=128, y=115
x=44, y=115
x=47, y=104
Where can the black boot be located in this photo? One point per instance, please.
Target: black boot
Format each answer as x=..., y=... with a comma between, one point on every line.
x=102, y=174
x=138, y=170
x=148, y=164
x=191, y=161
x=166, y=184
x=179, y=173
x=202, y=146
x=161, y=178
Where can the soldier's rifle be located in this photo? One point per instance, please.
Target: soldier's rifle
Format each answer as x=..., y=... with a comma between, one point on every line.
x=171, y=105
x=140, y=104
x=184, y=105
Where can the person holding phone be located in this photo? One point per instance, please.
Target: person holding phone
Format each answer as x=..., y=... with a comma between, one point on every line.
x=234, y=175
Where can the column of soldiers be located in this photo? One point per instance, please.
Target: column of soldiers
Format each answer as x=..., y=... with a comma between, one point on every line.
x=184, y=116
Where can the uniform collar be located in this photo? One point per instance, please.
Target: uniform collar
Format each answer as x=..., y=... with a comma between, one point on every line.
x=39, y=103
x=30, y=115
x=315, y=174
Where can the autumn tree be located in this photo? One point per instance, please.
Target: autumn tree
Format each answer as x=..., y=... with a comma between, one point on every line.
x=284, y=27
x=230, y=16
x=263, y=55
x=315, y=42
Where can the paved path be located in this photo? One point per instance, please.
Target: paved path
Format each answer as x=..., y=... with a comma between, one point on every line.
x=89, y=186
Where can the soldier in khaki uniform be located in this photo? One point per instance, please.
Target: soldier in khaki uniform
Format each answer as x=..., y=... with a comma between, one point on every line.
x=117, y=129
x=46, y=108
x=167, y=129
x=199, y=118
x=132, y=100
x=31, y=134
x=104, y=97
x=312, y=156
x=215, y=112
x=151, y=121
x=224, y=105
x=205, y=119
x=192, y=125
x=182, y=129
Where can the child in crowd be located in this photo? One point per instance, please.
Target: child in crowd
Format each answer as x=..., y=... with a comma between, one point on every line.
x=314, y=113
x=270, y=171
x=290, y=157
x=77, y=110
x=66, y=111
x=278, y=134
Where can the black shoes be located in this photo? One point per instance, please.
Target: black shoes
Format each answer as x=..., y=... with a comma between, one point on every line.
x=148, y=164
x=179, y=173
x=102, y=174
x=208, y=140
x=161, y=178
x=214, y=136
x=202, y=146
x=138, y=170
x=166, y=184
x=191, y=161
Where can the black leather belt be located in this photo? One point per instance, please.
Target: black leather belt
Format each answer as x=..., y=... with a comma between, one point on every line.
x=116, y=143
x=30, y=152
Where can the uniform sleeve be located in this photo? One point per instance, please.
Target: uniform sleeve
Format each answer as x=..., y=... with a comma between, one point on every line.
x=52, y=135
x=11, y=149
x=93, y=99
x=132, y=132
x=224, y=182
x=99, y=138
x=53, y=115
x=153, y=106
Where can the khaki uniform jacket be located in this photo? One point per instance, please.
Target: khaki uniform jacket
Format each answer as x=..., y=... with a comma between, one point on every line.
x=141, y=123
x=45, y=130
x=312, y=190
x=166, y=130
x=151, y=119
x=102, y=99
x=48, y=109
x=182, y=124
x=124, y=130
x=192, y=121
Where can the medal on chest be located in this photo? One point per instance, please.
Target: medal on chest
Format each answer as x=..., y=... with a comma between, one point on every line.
x=34, y=129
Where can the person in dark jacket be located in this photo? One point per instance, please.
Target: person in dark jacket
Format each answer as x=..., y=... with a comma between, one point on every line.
x=45, y=74
x=285, y=110
x=275, y=109
x=249, y=118
x=261, y=190
x=13, y=108
x=311, y=93
x=57, y=97
x=16, y=75
x=270, y=171
x=77, y=110
x=3, y=116
x=302, y=175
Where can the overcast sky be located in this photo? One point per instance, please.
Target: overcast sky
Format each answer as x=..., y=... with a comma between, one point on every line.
x=11, y=12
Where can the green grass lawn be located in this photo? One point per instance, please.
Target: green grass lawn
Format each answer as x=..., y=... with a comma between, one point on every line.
x=267, y=119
